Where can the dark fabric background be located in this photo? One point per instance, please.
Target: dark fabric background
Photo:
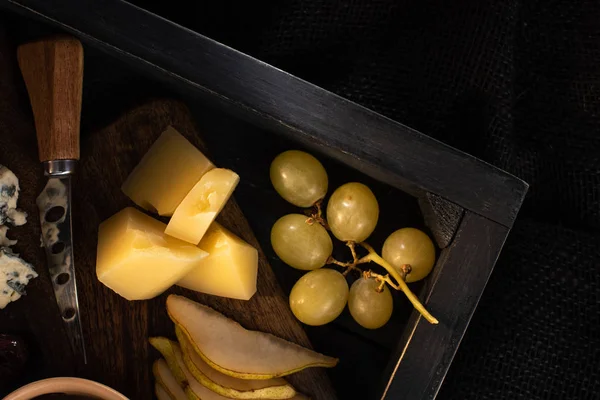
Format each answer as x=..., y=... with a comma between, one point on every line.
x=516, y=83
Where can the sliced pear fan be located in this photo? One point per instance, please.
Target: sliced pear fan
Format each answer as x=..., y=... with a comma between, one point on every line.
x=161, y=393
x=167, y=380
x=229, y=386
x=172, y=354
x=165, y=347
x=233, y=350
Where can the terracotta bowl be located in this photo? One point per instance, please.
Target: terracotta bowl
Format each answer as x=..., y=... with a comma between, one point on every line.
x=75, y=386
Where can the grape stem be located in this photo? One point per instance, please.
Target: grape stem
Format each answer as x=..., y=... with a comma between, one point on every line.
x=399, y=276
x=316, y=215
x=382, y=280
x=352, y=245
x=349, y=266
x=401, y=285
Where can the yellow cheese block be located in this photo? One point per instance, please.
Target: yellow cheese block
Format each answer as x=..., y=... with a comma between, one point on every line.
x=230, y=270
x=202, y=204
x=166, y=174
x=137, y=260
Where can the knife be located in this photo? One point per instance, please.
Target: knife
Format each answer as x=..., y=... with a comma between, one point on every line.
x=53, y=72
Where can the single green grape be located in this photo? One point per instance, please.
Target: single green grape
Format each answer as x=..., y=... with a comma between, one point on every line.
x=299, y=178
x=410, y=246
x=319, y=296
x=299, y=244
x=352, y=212
x=370, y=308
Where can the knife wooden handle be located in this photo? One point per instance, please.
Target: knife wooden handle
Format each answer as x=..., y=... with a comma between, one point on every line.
x=53, y=72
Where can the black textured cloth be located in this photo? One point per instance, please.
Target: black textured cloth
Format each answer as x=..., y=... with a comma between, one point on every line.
x=515, y=83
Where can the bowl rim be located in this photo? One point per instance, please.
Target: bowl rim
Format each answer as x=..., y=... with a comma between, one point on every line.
x=65, y=385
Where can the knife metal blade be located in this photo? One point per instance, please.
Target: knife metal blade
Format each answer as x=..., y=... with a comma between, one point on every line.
x=52, y=69
x=54, y=204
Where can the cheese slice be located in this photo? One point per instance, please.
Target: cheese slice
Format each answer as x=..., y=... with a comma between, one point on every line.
x=164, y=378
x=230, y=270
x=137, y=260
x=166, y=174
x=202, y=204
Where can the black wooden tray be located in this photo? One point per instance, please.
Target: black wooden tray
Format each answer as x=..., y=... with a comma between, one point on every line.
x=469, y=205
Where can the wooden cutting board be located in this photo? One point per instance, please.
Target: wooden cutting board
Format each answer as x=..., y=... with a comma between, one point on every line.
x=115, y=330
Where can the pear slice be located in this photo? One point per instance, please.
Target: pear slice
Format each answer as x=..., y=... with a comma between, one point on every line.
x=165, y=347
x=233, y=350
x=166, y=379
x=161, y=392
x=174, y=358
x=229, y=386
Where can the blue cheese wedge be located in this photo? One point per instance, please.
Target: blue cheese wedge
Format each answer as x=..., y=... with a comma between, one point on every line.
x=5, y=241
x=15, y=274
x=9, y=194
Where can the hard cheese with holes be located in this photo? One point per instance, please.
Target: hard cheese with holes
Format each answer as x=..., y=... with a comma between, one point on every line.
x=202, y=204
x=131, y=244
x=137, y=260
x=230, y=270
x=166, y=174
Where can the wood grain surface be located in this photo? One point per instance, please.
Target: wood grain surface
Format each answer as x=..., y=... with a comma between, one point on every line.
x=53, y=72
x=115, y=329
x=441, y=216
x=107, y=158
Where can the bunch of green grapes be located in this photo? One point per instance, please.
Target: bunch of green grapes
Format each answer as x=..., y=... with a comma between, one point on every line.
x=352, y=213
